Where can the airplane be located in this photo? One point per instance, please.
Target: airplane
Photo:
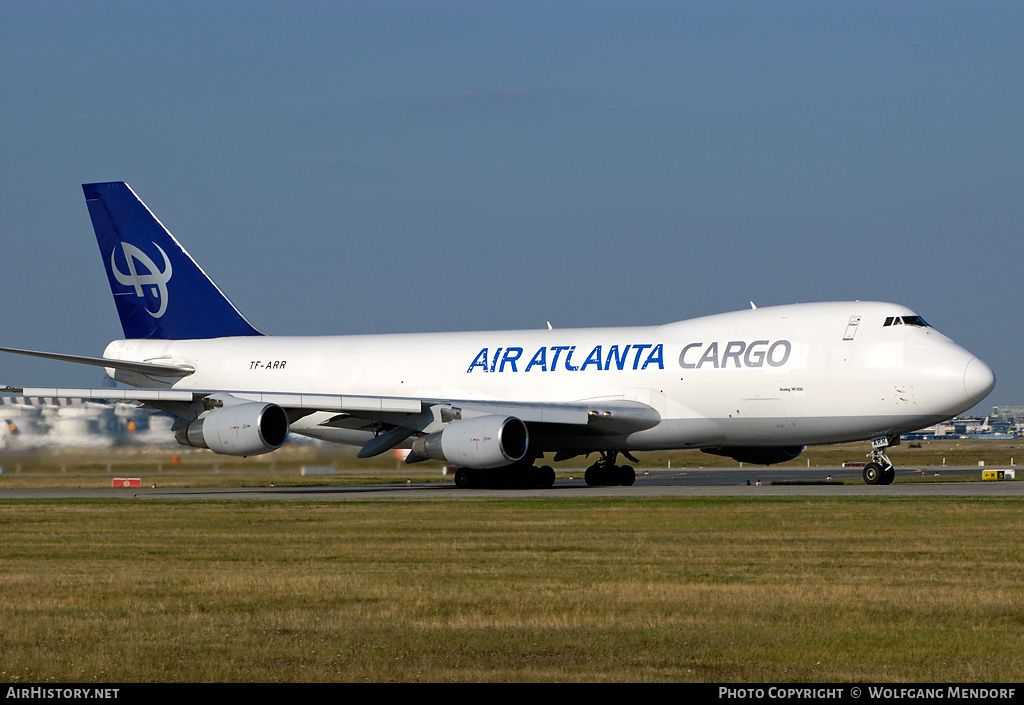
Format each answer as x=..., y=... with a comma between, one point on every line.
x=756, y=385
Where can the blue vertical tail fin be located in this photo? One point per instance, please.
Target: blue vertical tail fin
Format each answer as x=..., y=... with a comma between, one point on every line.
x=159, y=290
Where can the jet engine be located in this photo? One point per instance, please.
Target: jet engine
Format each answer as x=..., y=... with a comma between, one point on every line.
x=758, y=455
x=249, y=428
x=481, y=442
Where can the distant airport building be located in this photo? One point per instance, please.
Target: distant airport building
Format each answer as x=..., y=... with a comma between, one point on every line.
x=1004, y=422
x=40, y=422
x=1008, y=414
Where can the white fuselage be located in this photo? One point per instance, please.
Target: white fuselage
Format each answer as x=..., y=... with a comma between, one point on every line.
x=784, y=375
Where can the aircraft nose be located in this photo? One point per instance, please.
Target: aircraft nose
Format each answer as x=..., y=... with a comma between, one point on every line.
x=947, y=379
x=979, y=380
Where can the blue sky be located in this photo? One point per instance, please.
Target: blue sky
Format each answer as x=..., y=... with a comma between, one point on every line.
x=429, y=166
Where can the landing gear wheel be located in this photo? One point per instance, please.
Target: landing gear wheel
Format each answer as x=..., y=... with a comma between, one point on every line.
x=627, y=475
x=873, y=473
x=888, y=475
x=605, y=473
x=545, y=477
x=463, y=478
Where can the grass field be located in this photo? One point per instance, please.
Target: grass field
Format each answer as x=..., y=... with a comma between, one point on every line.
x=502, y=589
x=496, y=590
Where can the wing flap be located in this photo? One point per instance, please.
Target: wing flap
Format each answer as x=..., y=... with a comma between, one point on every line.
x=603, y=417
x=109, y=394
x=312, y=402
x=329, y=402
x=609, y=416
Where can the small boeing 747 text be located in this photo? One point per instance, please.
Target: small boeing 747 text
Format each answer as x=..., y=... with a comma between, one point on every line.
x=755, y=385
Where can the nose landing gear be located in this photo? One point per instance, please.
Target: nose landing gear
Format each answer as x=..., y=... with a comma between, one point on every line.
x=880, y=470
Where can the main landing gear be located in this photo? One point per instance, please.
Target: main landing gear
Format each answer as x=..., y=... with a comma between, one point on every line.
x=880, y=470
x=605, y=472
x=525, y=476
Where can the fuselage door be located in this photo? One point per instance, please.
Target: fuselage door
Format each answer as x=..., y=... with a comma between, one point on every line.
x=851, y=328
x=766, y=419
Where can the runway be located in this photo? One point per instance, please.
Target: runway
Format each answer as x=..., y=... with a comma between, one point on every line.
x=741, y=482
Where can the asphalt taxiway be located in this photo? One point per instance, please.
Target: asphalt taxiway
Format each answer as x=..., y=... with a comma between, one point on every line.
x=729, y=482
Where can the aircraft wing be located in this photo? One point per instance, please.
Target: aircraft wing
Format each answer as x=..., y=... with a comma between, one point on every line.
x=615, y=415
x=403, y=416
x=611, y=415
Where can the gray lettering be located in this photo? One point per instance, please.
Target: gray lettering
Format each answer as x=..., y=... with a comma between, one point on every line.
x=785, y=356
x=755, y=358
x=682, y=357
x=733, y=350
x=710, y=355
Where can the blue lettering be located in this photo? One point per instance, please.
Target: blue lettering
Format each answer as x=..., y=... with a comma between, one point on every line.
x=557, y=350
x=568, y=360
x=510, y=358
x=655, y=356
x=540, y=359
x=594, y=358
x=479, y=361
x=639, y=349
x=620, y=362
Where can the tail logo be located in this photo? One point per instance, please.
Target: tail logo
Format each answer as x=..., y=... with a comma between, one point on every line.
x=153, y=278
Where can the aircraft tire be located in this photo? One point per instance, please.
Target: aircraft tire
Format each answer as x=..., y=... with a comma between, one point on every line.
x=626, y=475
x=463, y=479
x=873, y=473
x=545, y=477
x=623, y=475
x=888, y=475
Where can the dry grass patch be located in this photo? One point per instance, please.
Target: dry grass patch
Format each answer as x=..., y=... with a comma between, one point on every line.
x=511, y=590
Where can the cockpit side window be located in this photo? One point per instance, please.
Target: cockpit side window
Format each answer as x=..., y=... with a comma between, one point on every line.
x=905, y=321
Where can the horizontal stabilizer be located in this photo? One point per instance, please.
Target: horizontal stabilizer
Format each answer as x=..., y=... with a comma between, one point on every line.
x=146, y=368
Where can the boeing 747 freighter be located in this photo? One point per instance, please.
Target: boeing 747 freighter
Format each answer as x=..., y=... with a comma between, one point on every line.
x=755, y=385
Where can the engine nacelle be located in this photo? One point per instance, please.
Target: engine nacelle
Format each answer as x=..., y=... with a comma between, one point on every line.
x=481, y=442
x=249, y=428
x=758, y=455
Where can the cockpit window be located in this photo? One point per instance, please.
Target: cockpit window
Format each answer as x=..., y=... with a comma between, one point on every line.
x=906, y=321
